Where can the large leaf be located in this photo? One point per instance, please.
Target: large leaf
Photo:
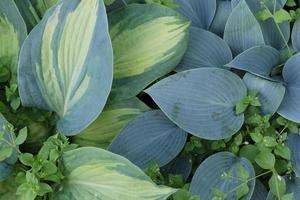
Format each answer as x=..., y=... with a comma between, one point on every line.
x=223, y=11
x=148, y=41
x=292, y=186
x=93, y=173
x=201, y=13
x=296, y=35
x=290, y=106
x=270, y=93
x=260, y=191
x=115, y=116
x=28, y=12
x=202, y=101
x=205, y=50
x=43, y=5
x=210, y=175
x=12, y=34
x=66, y=64
x=255, y=5
x=150, y=137
x=293, y=143
x=258, y=60
x=181, y=165
x=242, y=31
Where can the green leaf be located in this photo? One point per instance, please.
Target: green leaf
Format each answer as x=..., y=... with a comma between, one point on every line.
x=283, y=151
x=256, y=137
x=5, y=152
x=21, y=136
x=242, y=190
x=282, y=16
x=26, y=158
x=26, y=192
x=289, y=196
x=277, y=185
x=264, y=15
x=44, y=188
x=269, y=141
x=290, y=3
x=265, y=160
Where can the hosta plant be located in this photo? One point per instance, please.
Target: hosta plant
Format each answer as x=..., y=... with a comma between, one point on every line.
x=149, y=99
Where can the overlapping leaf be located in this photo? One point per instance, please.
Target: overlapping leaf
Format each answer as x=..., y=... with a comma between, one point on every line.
x=115, y=116
x=150, y=137
x=270, y=93
x=260, y=191
x=294, y=145
x=223, y=11
x=292, y=187
x=148, y=42
x=290, y=107
x=28, y=12
x=211, y=175
x=242, y=31
x=182, y=165
x=201, y=13
x=205, y=49
x=202, y=101
x=66, y=64
x=296, y=35
x=93, y=173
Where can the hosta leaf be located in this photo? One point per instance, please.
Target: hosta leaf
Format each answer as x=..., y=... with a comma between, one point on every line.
x=290, y=106
x=242, y=31
x=148, y=41
x=221, y=171
x=93, y=173
x=12, y=34
x=43, y=5
x=5, y=170
x=270, y=93
x=293, y=143
x=150, y=137
x=182, y=165
x=296, y=35
x=223, y=11
x=258, y=60
x=66, y=64
x=260, y=191
x=115, y=116
x=202, y=101
x=255, y=5
x=28, y=13
x=292, y=187
x=201, y=13
x=205, y=50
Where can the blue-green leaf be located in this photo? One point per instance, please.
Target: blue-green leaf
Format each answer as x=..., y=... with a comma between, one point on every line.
x=223, y=11
x=255, y=5
x=296, y=35
x=201, y=13
x=115, y=116
x=293, y=143
x=28, y=13
x=181, y=165
x=221, y=171
x=260, y=191
x=290, y=106
x=202, y=101
x=66, y=64
x=258, y=60
x=149, y=42
x=93, y=173
x=150, y=137
x=205, y=50
x=270, y=93
x=242, y=30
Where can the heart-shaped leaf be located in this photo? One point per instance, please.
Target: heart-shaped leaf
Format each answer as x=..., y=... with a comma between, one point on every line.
x=270, y=93
x=115, y=116
x=242, y=31
x=290, y=106
x=93, y=173
x=149, y=42
x=205, y=50
x=66, y=64
x=258, y=60
x=202, y=101
x=201, y=13
x=150, y=137
x=223, y=172
x=296, y=35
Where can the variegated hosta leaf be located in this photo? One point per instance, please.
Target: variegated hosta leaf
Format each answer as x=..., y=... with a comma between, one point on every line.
x=43, y=5
x=66, y=64
x=115, y=116
x=148, y=42
x=12, y=34
x=93, y=173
